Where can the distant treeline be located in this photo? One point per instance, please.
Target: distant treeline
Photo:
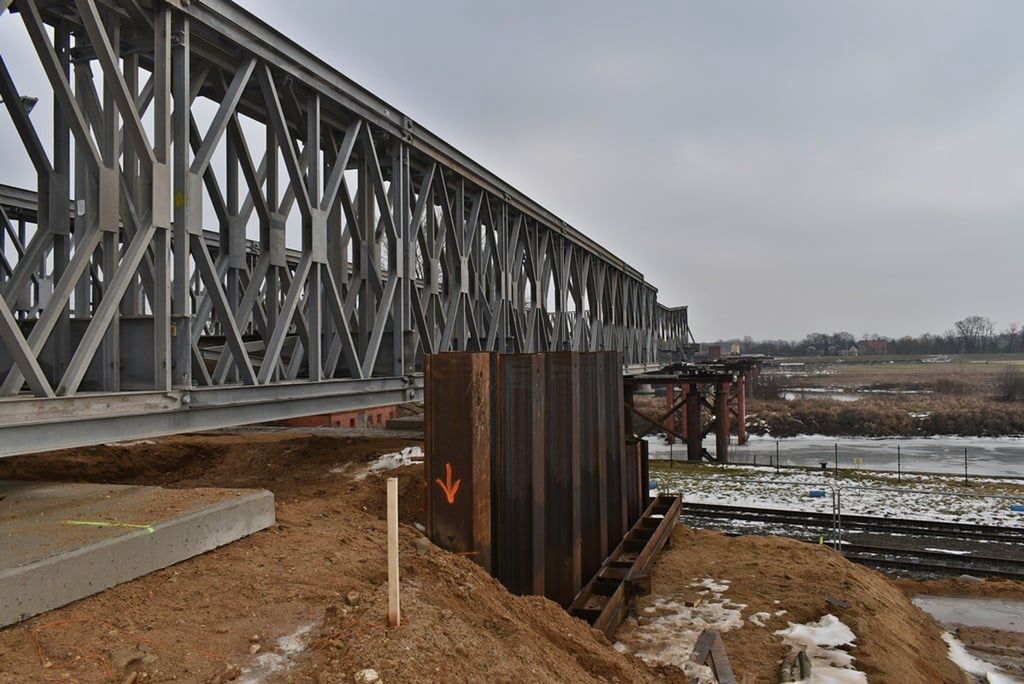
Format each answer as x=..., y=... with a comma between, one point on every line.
x=973, y=334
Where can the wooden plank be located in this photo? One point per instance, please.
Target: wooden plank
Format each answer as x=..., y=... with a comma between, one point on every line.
x=709, y=651
x=459, y=437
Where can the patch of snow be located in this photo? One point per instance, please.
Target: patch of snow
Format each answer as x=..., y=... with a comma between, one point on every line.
x=822, y=641
x=667, y=634
x=712, y=585
x=760, y=618
x=407, y=456
x=137, y=442
x=976, y=666
x=267, y=664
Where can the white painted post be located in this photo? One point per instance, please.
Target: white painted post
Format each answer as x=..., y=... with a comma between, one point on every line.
x=394, y=609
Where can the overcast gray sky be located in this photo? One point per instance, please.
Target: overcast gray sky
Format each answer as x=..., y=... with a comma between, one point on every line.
x=780, y=167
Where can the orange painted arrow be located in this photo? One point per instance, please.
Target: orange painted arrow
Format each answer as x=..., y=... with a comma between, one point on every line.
x=449, y=489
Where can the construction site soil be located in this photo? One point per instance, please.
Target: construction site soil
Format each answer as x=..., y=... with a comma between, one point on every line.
x=306, y=599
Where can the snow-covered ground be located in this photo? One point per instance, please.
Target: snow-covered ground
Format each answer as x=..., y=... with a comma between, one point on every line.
x=667, y=631
x=823, y=641
x=918, y=497
x=985, y=455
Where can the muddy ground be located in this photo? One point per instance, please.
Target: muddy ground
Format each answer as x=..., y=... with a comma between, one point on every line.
x=1001, y=647
x=306, y=599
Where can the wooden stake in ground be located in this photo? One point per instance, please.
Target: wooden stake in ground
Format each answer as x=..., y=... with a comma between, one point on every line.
x=394, y=609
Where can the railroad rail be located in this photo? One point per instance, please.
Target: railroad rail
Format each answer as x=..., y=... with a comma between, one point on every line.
x=253, y=237
x=910, y=545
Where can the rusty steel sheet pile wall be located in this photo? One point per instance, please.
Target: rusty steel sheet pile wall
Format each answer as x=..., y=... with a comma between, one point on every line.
x=563, y=486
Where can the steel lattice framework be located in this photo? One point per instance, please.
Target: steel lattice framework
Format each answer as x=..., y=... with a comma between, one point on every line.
x=226, y=230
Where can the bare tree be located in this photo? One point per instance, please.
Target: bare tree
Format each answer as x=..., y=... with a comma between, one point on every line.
x=1008, y=339
x=974, y=332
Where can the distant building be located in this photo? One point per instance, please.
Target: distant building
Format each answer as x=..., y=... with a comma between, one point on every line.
x=874, y=347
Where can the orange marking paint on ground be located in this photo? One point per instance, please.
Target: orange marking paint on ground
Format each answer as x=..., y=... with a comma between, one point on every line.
x=449, y=489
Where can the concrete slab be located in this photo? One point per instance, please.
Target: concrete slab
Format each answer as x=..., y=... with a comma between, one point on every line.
x=60, y=542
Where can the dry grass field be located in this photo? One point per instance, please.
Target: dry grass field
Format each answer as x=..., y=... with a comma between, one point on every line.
x=890, y=396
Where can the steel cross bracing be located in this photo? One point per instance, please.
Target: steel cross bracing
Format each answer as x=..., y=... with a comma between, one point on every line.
x=225, y=230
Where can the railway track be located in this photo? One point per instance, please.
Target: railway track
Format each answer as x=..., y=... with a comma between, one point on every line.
x=906, y=546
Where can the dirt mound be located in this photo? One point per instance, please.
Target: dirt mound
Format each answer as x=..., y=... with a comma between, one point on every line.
x=895, y=641
x=305, y=600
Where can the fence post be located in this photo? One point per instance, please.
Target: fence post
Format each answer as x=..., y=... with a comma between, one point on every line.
x=837, y=460
x=837, y=518
x=776, y=457
x=899, y=469
x=965, y=465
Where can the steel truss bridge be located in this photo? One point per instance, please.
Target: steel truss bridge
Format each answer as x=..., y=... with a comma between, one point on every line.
x=225, y=230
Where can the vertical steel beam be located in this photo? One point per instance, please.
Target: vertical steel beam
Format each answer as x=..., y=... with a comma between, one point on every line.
x=670, y=401
x=722, y=422
x=110, y=196
x=315, y=241
x=693, y=426
x=181, y=302
x=56, y=220
x=160, y=189
x=402, y=267
x=682, y=422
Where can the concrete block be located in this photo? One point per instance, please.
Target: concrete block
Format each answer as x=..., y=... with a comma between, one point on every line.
x=60, y=542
